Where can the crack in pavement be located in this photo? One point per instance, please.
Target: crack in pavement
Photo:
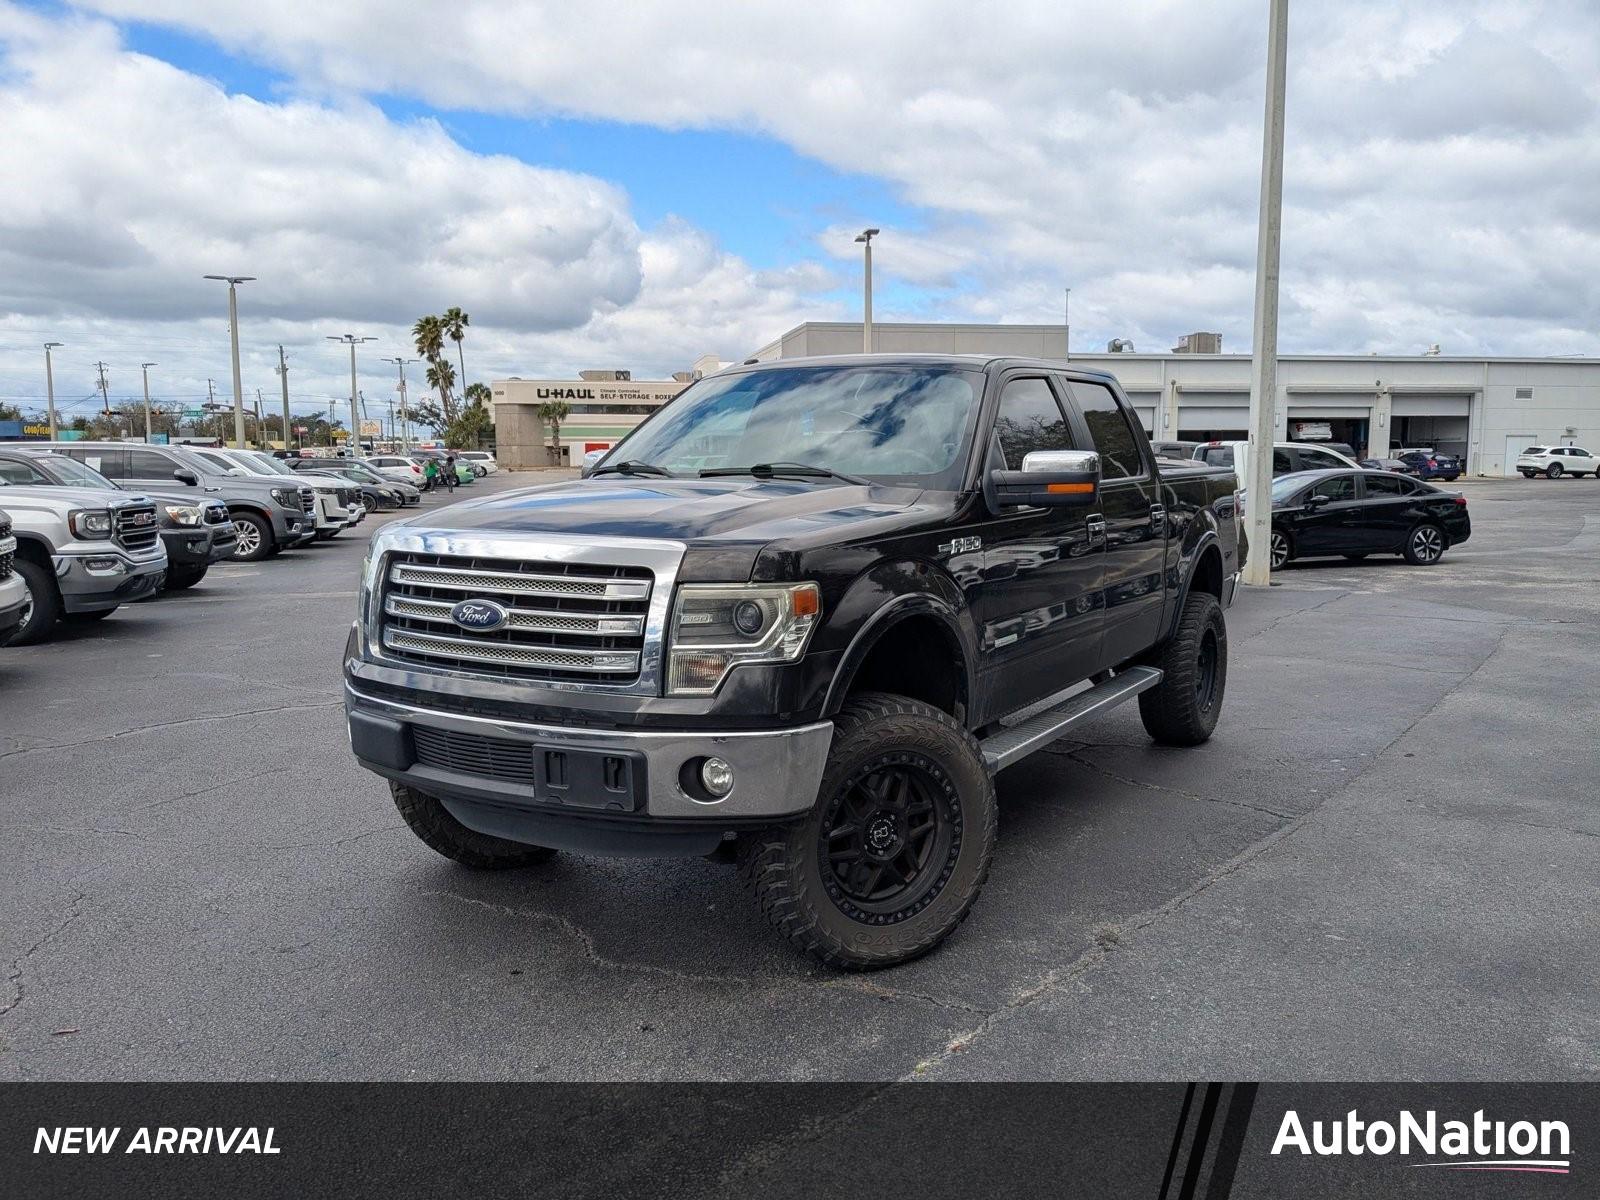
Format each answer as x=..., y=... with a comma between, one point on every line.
x=122, y=733
x=15, y=973
x=1111, y=936
x=592, y=954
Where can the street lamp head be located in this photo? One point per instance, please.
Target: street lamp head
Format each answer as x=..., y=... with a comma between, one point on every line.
x=147, y=366
x=233, y=278
x=54, y=345
x=866, y=235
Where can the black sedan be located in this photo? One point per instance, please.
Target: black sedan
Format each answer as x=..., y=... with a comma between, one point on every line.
x=1322, y=514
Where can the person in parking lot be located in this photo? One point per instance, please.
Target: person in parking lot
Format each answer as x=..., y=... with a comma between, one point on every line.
x=450, y=471
x=430, y=474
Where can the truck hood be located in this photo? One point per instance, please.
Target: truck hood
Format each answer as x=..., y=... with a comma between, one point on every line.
x=733, y=510
x=52, y=498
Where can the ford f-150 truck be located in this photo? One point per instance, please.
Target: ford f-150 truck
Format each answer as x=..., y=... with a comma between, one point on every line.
x=800, y=617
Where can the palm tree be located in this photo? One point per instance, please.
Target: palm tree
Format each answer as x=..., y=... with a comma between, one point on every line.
x=442, y=375
x=454, y=325
x=555, y=412
x=429, y=333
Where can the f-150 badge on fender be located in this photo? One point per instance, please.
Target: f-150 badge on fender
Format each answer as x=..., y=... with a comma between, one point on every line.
x=961, y=545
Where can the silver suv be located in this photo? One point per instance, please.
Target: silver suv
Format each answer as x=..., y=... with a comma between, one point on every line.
x=81, y=554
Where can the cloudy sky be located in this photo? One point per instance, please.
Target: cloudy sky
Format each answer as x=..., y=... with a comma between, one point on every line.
x=632, y=184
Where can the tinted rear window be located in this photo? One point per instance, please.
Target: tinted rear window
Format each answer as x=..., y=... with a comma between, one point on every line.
x=1217, y=456
x=1534, y=450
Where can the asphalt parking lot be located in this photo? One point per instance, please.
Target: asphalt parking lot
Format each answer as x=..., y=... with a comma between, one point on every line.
x=1383, y=866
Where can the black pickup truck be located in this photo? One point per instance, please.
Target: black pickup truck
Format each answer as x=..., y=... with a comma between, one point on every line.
x=799, y=617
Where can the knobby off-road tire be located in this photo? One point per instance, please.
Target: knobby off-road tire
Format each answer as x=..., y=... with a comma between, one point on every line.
x=432, y=822
x=1182, y=709
x=893, y=855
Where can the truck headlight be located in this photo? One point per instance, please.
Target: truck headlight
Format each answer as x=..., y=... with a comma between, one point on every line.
x=715, y=627
x=288, y=497
x=184, y=514
x=90, y=523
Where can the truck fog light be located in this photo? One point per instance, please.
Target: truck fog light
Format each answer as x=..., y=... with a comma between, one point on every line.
x=112, y=566
x=717, y=776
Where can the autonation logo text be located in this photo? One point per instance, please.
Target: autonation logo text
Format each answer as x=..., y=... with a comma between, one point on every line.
x=1476, y=1145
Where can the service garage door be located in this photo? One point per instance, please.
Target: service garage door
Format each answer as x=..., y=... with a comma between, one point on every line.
x=1516, y=443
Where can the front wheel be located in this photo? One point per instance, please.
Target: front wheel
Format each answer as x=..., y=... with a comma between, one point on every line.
x=1425, y=546
x=1282, y=551
x=255, y=538
x=1182, y=709
x=896, y=849
x=41, y=605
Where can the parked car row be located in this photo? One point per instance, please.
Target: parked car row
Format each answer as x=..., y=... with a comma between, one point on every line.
x=86, y=527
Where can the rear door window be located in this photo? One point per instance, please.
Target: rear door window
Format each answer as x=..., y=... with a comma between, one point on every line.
x=1110, y=430
x=1318, y=460
x=1282, y=462
x=1217, y=456
x=1379, y=486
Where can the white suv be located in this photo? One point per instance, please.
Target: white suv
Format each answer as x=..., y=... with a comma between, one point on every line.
x=1556, y=461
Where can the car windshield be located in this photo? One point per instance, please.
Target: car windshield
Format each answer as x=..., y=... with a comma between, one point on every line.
x=902, y=424
x=265, y=464
x=74, y=474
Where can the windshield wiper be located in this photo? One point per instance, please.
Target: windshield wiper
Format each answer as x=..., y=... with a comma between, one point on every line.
x=630, y=467
x=770, y=470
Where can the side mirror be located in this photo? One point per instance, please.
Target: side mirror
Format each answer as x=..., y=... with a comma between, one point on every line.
x=1049, y=479
x=186, y=476
x=1317, y=501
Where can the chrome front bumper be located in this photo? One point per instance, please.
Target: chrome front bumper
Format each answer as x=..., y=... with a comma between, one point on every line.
x=776, y=772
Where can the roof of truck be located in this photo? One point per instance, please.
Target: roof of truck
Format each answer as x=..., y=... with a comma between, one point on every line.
x=971, y=362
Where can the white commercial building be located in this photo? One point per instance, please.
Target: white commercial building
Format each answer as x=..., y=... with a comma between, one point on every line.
x=1485, y=408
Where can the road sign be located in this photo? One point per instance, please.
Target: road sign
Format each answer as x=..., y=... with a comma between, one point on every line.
x=371, y=428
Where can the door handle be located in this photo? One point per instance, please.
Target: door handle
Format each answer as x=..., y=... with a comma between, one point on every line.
x=1158, y=518
x=1096, y=527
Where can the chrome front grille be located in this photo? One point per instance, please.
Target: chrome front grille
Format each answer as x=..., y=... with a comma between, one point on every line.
x=308, y=501
x=134, y=526
x=571, y=622
x=8, y=549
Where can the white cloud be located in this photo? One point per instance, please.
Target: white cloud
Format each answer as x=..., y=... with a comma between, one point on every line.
x=129, y=179
x=1434, y=148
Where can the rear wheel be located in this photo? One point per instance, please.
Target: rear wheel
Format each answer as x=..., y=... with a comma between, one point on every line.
x=897, y=847
x=41, y=607
x=1425, y=546
x=432, y=822
x=1182, y=709
x=1553, y=471
x=255, y=537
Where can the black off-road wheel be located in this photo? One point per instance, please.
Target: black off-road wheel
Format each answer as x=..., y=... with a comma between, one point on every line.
x=432, y=822
x=893, y=855
x=1182, y=709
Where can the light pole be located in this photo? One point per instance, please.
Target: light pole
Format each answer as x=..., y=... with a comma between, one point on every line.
x=405, y=425
x=355, y=423
x=233, y=282
x=50, y=384
x=865, y=238
x=1264, y=339
x=144, y=369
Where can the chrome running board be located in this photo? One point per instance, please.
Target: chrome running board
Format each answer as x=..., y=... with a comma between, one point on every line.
x=1016, y=742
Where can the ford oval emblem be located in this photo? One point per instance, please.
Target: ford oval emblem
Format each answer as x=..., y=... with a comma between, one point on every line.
x=479, y=615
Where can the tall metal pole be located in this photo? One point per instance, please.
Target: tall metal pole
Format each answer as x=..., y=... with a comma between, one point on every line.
x=283, y=375
x=233, y=282
x=1066, y=321
x=50, y=384
x=865, y=238
x=405, y=422
x=1264, y=339
x=145, y=370
x=355, y=422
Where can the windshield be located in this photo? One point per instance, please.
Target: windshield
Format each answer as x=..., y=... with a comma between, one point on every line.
x=74, y=474
x=901, y=424
x=263, y=464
